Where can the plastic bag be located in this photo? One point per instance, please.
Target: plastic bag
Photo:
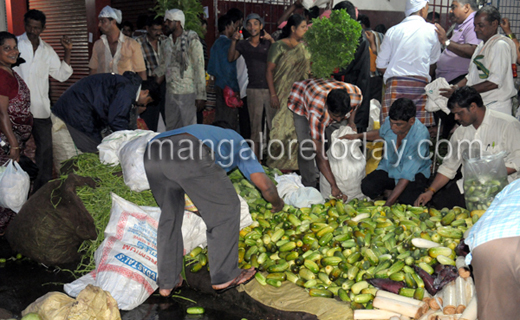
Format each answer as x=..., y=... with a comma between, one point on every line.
x=484, y=177
x=294, y=193
x=111, y=144
x=436, y=101
x=91, y=303
x=126, y=261
x=347, y=164
x=131, y=156
x=14, y=186
x=232, y=99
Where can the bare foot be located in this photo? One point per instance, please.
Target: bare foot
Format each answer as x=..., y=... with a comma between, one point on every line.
x=245, y=276
x=167, y=292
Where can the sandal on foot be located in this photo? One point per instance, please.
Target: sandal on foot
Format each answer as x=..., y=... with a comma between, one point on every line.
x=236, y=282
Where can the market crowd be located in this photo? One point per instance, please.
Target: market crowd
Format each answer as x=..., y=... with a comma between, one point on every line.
x=268, y=106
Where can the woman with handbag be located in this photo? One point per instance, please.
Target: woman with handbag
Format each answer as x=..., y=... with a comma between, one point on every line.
x=288, y=62
x=15, y=116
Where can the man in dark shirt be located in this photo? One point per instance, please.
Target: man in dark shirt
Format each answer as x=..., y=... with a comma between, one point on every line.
x=225, y=72
x=255, y=50
x=102, y=101
x=358, y=71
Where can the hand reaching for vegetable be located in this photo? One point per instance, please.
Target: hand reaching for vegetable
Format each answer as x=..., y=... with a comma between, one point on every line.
x=336, y=193
x=278, y=207
x=423, y=199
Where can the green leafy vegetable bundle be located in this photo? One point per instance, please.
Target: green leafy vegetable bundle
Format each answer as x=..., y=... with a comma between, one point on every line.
x=332, y=42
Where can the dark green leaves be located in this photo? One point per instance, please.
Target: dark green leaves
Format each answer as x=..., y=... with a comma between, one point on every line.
x=332, y=42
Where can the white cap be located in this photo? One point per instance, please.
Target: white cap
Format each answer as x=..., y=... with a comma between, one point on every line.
x=109, y=12
x=414, y=6
x=175, y=15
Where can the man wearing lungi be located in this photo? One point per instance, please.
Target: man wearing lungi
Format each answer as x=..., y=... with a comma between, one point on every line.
x=407, y=53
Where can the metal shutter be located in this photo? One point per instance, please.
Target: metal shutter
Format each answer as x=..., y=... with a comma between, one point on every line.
x=509, y=9
x=65, y=17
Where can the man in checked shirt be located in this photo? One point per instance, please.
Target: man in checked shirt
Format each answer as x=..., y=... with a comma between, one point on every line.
x=317, y=103
x=150, y=43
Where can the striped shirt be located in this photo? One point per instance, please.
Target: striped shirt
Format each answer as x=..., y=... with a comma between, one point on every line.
x=501, y=220
x=308, y=99
x=151, y=57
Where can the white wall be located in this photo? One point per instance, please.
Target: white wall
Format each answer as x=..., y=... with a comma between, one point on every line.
x=388, y=5
x=3, y=18
x=378, y=5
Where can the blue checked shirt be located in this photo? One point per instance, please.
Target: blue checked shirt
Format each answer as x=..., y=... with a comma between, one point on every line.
x=501, y=220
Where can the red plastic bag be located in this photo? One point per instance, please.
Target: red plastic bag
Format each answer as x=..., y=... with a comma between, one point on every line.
x=232, y=99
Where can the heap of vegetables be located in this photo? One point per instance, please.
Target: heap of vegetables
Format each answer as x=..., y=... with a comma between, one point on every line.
x=347, y=250
x=479, y=193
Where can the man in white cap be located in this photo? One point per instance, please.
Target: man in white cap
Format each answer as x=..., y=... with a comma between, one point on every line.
x=114, y=52
x=408, y=52
x=182, y=64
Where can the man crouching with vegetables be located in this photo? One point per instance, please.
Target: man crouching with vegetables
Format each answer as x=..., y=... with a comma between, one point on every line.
x=316, y=104
x=194, y=160
x=492, y=130
x=405, y=167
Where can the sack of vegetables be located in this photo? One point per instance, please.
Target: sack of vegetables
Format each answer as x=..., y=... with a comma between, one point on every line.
x=485, y=176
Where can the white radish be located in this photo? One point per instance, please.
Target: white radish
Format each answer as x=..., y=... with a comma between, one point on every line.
x=395, y=318
x=385, y=294
x=374, y=314
x=471, y=310
x=460, y=294
x=470, y=289
x=449, y=301
x=360, y=217
x=426, y=316
x=423, y=243
x=403, y=308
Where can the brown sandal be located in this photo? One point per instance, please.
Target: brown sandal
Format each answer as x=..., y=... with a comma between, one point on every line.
x=236, y=282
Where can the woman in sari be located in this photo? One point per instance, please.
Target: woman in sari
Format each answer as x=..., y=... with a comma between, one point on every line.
x=288, y=62
x=15, y=117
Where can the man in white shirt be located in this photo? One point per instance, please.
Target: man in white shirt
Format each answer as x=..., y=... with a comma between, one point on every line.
x=114, y=52
x=407, y=54
x=41, y=61
x=490, y=71
x=494, y=131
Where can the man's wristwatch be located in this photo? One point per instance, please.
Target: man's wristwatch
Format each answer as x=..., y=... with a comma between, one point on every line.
x=512, y=36
x=447, y=43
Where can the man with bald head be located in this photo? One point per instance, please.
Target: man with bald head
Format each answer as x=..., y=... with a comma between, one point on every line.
x=114, y=52
x=408, y=52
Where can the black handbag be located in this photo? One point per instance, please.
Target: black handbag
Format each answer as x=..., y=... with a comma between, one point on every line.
x=28, y=166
